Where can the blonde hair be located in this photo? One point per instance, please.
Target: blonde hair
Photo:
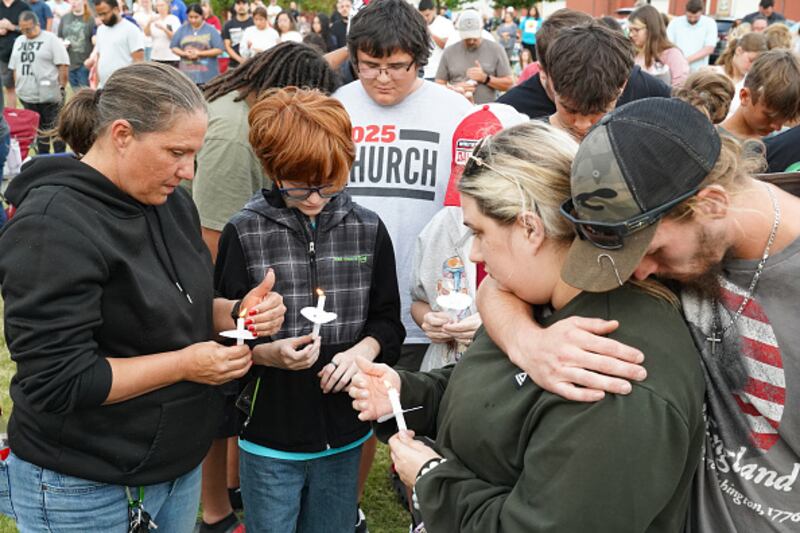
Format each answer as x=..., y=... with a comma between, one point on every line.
x=710, y=92
x=778, y=36
x=524, y=168
x=530, y=165
x=749, y=42
x=740, y=30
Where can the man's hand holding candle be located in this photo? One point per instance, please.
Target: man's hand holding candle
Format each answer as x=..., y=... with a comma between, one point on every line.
x=265, y=309
x=368, y=389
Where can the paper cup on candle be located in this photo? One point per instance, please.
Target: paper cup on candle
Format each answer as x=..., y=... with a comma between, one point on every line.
x=454, y=303
x=240, y=334
x=317, y=315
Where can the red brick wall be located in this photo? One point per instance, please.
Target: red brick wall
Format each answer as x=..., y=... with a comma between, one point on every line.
x=598, y=8
x=790, y=8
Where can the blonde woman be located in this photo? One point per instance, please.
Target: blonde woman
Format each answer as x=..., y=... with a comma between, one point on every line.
x=160, y=29
x=508, y=455
x=778, y=36
x=738, y=57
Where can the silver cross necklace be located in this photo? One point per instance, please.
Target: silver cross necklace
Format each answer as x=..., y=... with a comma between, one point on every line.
x=716, y=337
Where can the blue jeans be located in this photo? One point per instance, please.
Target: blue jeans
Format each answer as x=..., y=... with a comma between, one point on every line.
x=300, y=496
x=79, y=77
x=43, y=500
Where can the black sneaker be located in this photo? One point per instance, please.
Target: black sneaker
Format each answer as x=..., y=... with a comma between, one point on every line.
x=361, y=524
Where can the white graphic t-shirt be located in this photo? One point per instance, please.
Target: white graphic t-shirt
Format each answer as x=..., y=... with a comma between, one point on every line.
x=402, y=167
x=749, y=479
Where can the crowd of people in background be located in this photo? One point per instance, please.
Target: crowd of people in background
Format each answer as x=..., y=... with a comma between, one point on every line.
x=622, y=357
x=100, y=37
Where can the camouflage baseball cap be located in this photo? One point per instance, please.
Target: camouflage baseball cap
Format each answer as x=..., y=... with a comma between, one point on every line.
x=632, y=167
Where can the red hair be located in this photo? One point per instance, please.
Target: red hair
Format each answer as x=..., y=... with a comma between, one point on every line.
x=303, y=136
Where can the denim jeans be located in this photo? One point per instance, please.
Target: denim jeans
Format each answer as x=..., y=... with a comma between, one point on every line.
x=5, y=145
x=283, y=496
x=42, y=500
x=79, y=77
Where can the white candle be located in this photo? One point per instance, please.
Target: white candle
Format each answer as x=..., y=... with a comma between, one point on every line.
x=320, y=310
x=240, y=328
x=397, y=409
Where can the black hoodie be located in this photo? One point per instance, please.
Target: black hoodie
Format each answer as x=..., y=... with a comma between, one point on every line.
x=87, y=272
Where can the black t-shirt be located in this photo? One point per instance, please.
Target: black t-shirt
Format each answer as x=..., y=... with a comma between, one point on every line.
x=783, y=150
x=339, y=32
x=11, y=13
x=233, y=30
x=530, y=97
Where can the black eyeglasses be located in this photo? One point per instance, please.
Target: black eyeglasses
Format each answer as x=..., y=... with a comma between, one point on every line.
x=394, y=71
x=611, y=235
x=301, y=193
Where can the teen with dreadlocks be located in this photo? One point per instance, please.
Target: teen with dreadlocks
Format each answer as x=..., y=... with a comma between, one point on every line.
x=228, y=174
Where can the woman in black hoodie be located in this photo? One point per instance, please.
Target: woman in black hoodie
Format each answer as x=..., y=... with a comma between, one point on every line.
x=109, y=306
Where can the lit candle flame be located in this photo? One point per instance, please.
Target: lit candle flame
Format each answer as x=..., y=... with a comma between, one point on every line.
x=320, y=292
x=243, y=313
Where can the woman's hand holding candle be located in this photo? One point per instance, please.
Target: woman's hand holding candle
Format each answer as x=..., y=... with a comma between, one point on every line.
x=409, y=456
x=213, y=364
x=368, y=389
x=265, y=309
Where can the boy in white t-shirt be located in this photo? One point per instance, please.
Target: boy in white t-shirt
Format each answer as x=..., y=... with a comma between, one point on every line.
x=118, y=42
x=403, y=128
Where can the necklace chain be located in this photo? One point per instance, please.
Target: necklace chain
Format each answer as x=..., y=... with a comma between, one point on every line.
x=751, y=290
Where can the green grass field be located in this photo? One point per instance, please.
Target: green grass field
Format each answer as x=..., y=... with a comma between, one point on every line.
x=384, y=513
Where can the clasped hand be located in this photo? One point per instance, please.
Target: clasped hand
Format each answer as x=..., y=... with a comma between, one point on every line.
x=440, y=327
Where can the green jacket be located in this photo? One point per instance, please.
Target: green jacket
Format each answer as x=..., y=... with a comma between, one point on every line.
x=520, y=459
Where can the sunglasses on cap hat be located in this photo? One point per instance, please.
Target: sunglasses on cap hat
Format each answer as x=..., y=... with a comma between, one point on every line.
x=611, y=235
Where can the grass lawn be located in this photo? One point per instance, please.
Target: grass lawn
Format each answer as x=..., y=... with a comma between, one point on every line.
x=384, y=513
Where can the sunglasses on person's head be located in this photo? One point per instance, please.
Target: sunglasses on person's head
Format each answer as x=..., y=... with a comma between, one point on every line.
x=301, y=193
x=611, y=235
x=474, y=160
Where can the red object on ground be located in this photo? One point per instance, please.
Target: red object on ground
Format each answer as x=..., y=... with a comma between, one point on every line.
x=23, y=123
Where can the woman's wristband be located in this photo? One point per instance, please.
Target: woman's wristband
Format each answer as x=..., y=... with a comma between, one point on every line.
x=427, y=467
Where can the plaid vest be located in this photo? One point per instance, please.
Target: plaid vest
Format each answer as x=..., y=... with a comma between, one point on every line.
x=337, y=256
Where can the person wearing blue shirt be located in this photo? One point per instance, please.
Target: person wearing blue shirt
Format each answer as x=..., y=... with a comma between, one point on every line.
x=198, y=45
x=178, y=8
x=529, y=25
x=43, y=13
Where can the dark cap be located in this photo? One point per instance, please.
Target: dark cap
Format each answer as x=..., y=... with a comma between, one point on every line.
x=637, y=159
